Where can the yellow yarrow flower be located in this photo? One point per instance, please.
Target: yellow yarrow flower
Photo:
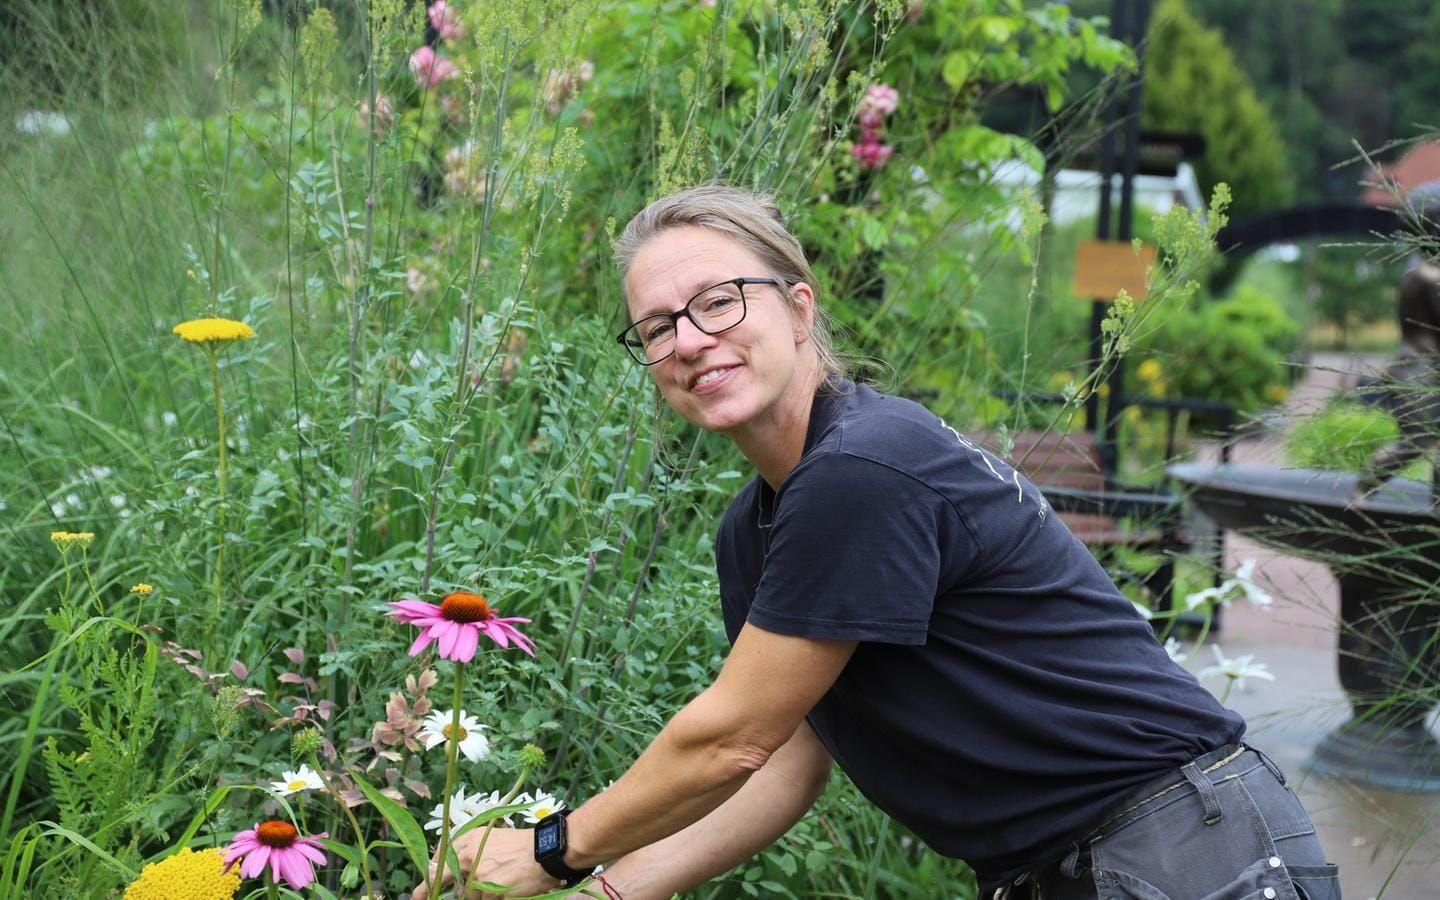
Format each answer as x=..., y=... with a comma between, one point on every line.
x=143, y=589
x=187, y=875
x=67, y=539
x=205, y=331
x=1150, y=370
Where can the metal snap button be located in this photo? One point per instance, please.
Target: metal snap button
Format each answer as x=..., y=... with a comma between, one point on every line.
x=1269, y=894
x=1274, y=862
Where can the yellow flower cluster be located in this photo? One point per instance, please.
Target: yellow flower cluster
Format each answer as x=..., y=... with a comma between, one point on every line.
x=143, y=589
x=187, y=875
x=205, y=331
x=67, y=539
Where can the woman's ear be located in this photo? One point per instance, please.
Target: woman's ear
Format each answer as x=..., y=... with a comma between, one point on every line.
x=802, y=310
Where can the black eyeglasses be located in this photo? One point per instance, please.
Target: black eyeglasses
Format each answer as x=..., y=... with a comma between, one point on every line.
x=718, y=308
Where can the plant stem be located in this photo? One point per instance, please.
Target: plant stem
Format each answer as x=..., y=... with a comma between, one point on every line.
x=354, y=823
x=272, y=890
x=224, y=467
x=452, y=760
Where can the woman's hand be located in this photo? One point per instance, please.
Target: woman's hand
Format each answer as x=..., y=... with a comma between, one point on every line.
x=509, y=860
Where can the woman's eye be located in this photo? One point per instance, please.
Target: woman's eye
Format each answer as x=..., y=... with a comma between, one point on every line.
x=658, y=331
x=717, y=302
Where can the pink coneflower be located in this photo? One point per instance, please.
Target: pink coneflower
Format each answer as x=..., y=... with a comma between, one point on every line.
x=457, y=624
x=446, y=21
x=290, y=856
x=430, y=68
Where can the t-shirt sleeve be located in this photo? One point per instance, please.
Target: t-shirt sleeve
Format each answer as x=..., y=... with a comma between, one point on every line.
x=856, y=553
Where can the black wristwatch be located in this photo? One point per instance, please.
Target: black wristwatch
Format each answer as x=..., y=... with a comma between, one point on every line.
x=551, y=842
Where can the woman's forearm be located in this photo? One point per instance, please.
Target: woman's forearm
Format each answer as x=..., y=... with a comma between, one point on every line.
x=770, y=802
x=697, y=762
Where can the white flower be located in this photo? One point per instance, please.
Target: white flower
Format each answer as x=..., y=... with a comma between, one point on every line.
x=473, y=744
x=169, y=418
x=541, y=805
x=117, y=500
x=1207, y=597
x=463, y=808
x=1237, y=669
x=1143, y=610
x=1172, y=648
x=1245, y=580
x=307, y=779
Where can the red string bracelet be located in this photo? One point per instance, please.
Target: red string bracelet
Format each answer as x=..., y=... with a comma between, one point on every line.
x=608, y=888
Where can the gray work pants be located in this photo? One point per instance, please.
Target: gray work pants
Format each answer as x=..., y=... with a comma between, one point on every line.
x=1223, y=827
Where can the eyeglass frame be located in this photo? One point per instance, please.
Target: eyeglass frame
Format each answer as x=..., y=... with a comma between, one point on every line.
x=684, y=313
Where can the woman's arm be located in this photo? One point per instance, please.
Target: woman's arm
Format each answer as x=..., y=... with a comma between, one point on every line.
x=707, y=752
x=773, y=800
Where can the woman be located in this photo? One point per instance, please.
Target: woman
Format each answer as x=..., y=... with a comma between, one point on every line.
x=905, y=604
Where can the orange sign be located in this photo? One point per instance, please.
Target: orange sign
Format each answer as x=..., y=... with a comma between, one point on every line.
x=1104, y=268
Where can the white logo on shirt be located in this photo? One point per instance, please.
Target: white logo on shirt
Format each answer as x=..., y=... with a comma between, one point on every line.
x=986, y=459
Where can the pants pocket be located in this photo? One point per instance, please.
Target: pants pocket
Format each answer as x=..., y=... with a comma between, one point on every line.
x=1111, y=885
x=1316, y=882
x=1261, y=880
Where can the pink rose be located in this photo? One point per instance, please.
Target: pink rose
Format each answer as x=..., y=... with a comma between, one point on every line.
x=445, y=21
x=430, y=68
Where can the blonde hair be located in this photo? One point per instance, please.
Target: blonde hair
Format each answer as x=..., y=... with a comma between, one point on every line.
x=754, y=221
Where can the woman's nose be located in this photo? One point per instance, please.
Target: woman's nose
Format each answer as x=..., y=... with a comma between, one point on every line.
x=689, y=339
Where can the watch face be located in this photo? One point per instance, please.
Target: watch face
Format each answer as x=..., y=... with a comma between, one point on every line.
x=547, y=840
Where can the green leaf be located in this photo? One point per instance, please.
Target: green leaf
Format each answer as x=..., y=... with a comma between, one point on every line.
x=957, y=68
x=205, y=812
x=404, y=824
x=128, y=873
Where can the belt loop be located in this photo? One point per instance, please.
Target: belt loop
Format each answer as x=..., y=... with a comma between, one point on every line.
x=1206, y=790
x=1269, y=764
x=1070, y=868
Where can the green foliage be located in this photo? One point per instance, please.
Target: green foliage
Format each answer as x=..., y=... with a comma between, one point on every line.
x=1354, y=286
x=1234, y=349
x=434, y=398
x=1343, y=436
x=1192, y=83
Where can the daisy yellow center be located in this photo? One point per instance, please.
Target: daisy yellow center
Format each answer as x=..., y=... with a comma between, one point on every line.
x=463, y=606
x=275, y=833
x=541, y=812
x=296, y=784
x=455, y=732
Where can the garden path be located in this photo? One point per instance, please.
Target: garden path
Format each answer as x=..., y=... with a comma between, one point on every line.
x=1384, y=842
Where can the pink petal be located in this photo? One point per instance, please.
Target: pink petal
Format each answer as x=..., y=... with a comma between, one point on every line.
x=295, y=655
x=421, y=643
x=277, y=861
x=310, y=852
x=447, y=640
x=296, y=867
x=408, y=610
x=255, y=862
x=467, y=643
x=496, y=633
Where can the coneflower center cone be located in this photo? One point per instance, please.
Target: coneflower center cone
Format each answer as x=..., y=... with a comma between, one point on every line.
x=276, y=833
x=462, y=606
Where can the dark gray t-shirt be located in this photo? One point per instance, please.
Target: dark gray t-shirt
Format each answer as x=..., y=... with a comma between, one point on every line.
x=1004, y=692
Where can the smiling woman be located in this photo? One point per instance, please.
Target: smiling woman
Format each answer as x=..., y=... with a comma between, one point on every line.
x=903, y=603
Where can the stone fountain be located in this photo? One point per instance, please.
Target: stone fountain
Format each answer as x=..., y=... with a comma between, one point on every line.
x=1381, y=537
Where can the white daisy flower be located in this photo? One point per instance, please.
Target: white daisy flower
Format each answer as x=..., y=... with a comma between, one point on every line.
x=306, y=779
x=465, y=807
x=1245, y=580
x=436, y=730
x=1207, y=597
x=1172, y=648
x=541, y=805
x=1237, y=669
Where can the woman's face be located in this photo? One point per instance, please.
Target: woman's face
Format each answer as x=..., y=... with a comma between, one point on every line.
x=750, y=367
